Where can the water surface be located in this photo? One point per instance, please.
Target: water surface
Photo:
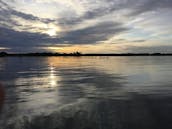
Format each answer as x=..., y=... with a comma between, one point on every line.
x=86, y=92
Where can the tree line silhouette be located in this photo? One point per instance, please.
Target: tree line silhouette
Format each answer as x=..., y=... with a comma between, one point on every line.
x=3, y=54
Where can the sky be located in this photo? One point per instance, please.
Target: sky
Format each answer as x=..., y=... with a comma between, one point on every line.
x=88, y=26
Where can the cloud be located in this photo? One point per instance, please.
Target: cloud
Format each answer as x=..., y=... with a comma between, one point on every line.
x=150, y=49
x=139, y=41
x=12, y=38
x=82, y=22
x=96, y=9
x=8, y=15
x=94, y=34
x=90, y=35
x=143, y=6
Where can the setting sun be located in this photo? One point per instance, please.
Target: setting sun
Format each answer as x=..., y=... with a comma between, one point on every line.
x=52, y=29
x=52, y=32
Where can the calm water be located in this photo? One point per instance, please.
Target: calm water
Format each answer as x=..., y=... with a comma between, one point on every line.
x=86, y=92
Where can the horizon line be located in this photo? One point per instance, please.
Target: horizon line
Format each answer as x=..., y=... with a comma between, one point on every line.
x=82, y=54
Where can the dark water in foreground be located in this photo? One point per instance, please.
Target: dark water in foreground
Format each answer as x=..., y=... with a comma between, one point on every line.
x=86, y=93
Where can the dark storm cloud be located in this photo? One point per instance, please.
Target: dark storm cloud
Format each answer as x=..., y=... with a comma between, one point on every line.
x=90, y=35
x=12, y=38
x=94, y=34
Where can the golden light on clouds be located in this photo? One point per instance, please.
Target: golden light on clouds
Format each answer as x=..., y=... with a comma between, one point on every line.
x=65, y=49
x=4, y=48
x=52, y=29
x=54, y=49
x=84, y=48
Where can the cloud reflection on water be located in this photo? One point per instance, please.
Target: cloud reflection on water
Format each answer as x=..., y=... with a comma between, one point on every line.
x=86, y=93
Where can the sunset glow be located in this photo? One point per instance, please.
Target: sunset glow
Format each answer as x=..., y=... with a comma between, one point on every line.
x=86, y=26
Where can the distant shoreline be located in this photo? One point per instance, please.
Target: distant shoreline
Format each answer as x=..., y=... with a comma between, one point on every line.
x=77, y=54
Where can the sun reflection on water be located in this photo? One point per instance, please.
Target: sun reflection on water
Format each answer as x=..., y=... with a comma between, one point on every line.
x=40, y=81
x=53, y=79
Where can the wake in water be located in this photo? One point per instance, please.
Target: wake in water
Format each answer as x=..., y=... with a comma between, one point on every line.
x=102, y=104
x=138, y=112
